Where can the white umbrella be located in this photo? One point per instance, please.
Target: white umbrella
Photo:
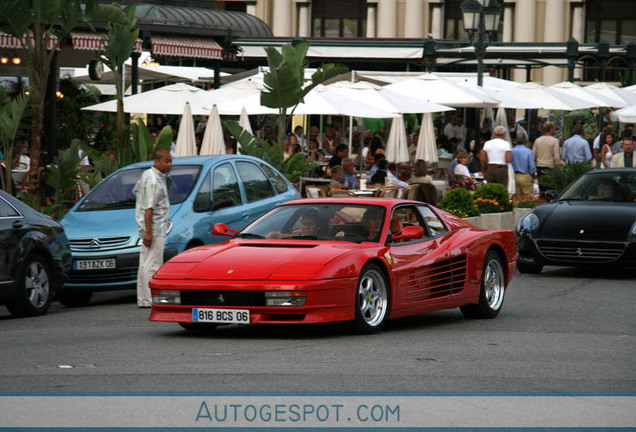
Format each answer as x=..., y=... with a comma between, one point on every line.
x=547, y=98
x=396, y=148
x=326, y=101
x=432, y=88
x=233, y=98
x=213, y=141
x=368, y=93
x=244, y=121
x=624, y=115
x=170, y=99
x=620, y=97
x=426, y=145
x=571, y=89
x=185, y=138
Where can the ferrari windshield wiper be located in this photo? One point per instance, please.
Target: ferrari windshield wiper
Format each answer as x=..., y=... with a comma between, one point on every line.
x=250, y=235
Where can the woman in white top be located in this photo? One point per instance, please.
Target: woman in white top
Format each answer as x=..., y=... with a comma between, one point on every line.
x=461, y=169
x=606, y=152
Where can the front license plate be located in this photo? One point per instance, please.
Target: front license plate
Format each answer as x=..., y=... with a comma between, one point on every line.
x=225, y=316
x=97, y=264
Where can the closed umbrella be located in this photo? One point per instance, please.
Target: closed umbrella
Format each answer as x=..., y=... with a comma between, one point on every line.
x=426, y=145
x=213, y=141
x=396, y=148
x=244, y=122
x=185, y=138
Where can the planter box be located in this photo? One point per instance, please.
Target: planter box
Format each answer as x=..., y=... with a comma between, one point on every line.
x=494, y=221
x=475, y=220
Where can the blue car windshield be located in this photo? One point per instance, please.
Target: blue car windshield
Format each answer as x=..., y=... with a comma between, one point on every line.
x=116, y=192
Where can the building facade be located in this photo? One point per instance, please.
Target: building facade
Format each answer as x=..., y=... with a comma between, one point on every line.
x=522, y=21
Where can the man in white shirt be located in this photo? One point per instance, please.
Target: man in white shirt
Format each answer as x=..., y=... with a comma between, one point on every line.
x=495, y=156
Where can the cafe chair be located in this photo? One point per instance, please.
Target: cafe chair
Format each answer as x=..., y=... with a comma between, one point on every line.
x=388, y=192
x=315, y=192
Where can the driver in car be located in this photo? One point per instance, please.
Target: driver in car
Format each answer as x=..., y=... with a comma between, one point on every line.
x=313, y=225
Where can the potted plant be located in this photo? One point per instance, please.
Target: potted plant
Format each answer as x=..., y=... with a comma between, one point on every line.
x=459, y=202
x=493, y=203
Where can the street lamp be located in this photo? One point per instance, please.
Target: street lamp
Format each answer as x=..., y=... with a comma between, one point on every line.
x=480, y=16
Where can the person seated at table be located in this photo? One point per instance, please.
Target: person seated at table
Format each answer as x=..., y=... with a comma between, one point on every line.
x=349, y=180
x=21, y=160
x=341, y=151
x=462, y=175
x=420, y=173
x=336, y=175
x=383, y=173
x=313, y=225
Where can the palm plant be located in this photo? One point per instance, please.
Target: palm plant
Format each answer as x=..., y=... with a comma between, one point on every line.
x=558, y=178
x=12, y=113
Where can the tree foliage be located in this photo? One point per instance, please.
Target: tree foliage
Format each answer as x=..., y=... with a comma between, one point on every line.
x=285, y=81
x=12, y=114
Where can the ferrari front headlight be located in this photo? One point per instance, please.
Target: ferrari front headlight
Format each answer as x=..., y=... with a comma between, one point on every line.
x=528, y=223
x=285, y=298
x=166, y=297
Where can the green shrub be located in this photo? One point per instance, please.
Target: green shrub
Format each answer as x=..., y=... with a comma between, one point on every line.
x=558, y=178
x=459, y=202
x=492, y=198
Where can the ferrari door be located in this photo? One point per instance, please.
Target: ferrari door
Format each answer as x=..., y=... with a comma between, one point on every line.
x=425, y=272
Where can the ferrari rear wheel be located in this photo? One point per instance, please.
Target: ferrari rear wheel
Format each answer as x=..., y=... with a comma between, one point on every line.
x=529, y=268
x=198, y=327
x=372, y=300
x=491, y=295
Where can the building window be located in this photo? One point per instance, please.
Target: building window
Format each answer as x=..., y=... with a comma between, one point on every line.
x=339, y=18
x=611, y=20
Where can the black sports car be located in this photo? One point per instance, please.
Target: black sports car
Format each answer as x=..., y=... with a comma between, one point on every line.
x=35, y=257
x=592, y=222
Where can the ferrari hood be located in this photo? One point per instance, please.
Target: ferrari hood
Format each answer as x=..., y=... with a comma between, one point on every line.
x=252, y=261
x=593, y=221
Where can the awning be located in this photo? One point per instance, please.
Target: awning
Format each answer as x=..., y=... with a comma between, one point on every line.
x=93, y=41
x=190, y=47
x=9, y=41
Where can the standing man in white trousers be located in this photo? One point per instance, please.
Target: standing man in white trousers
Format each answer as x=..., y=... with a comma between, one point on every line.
x=152, y=211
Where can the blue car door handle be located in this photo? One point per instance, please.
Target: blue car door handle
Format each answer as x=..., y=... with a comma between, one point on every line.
x=246, y=215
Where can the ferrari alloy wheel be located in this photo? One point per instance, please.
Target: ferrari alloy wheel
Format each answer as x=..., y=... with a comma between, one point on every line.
x=491, y=295
x=35, y=290
x=198, y=327
x=372, y=300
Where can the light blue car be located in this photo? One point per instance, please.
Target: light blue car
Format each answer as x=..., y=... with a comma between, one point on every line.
x=203, y=190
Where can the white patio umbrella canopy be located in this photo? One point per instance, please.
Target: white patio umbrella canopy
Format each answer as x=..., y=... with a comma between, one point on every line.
x=185, y=138
x=624, y=115
x=571, y=89
x=368, y=93
x=169, y=100
x=426, y=145
x=432, y=88
x=213, y=142
x=396, y=148
x=620, y=97
x=233, y=98
x=547, y=98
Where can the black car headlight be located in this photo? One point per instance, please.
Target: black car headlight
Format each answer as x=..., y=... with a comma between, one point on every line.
x=528, y=223
x=632, y=232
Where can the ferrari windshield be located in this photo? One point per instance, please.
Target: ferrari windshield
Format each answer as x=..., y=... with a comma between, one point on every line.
x=607, y=186
x=116, y=192
x=349, y=222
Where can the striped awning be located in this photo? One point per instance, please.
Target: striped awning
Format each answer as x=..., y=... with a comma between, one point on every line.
x=93, y=41
x=189, y=47
x=12, y=42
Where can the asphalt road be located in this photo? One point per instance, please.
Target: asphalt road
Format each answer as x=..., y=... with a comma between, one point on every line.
x=563, y=330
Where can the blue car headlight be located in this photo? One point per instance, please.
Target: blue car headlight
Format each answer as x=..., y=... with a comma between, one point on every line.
x=528, y=223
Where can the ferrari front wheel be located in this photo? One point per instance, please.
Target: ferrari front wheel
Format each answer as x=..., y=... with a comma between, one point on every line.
x=491, y=295
x=372, y=300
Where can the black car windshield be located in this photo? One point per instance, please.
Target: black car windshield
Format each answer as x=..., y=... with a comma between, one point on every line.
x=346, y=222
x=116, y=192
x=607, y=186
